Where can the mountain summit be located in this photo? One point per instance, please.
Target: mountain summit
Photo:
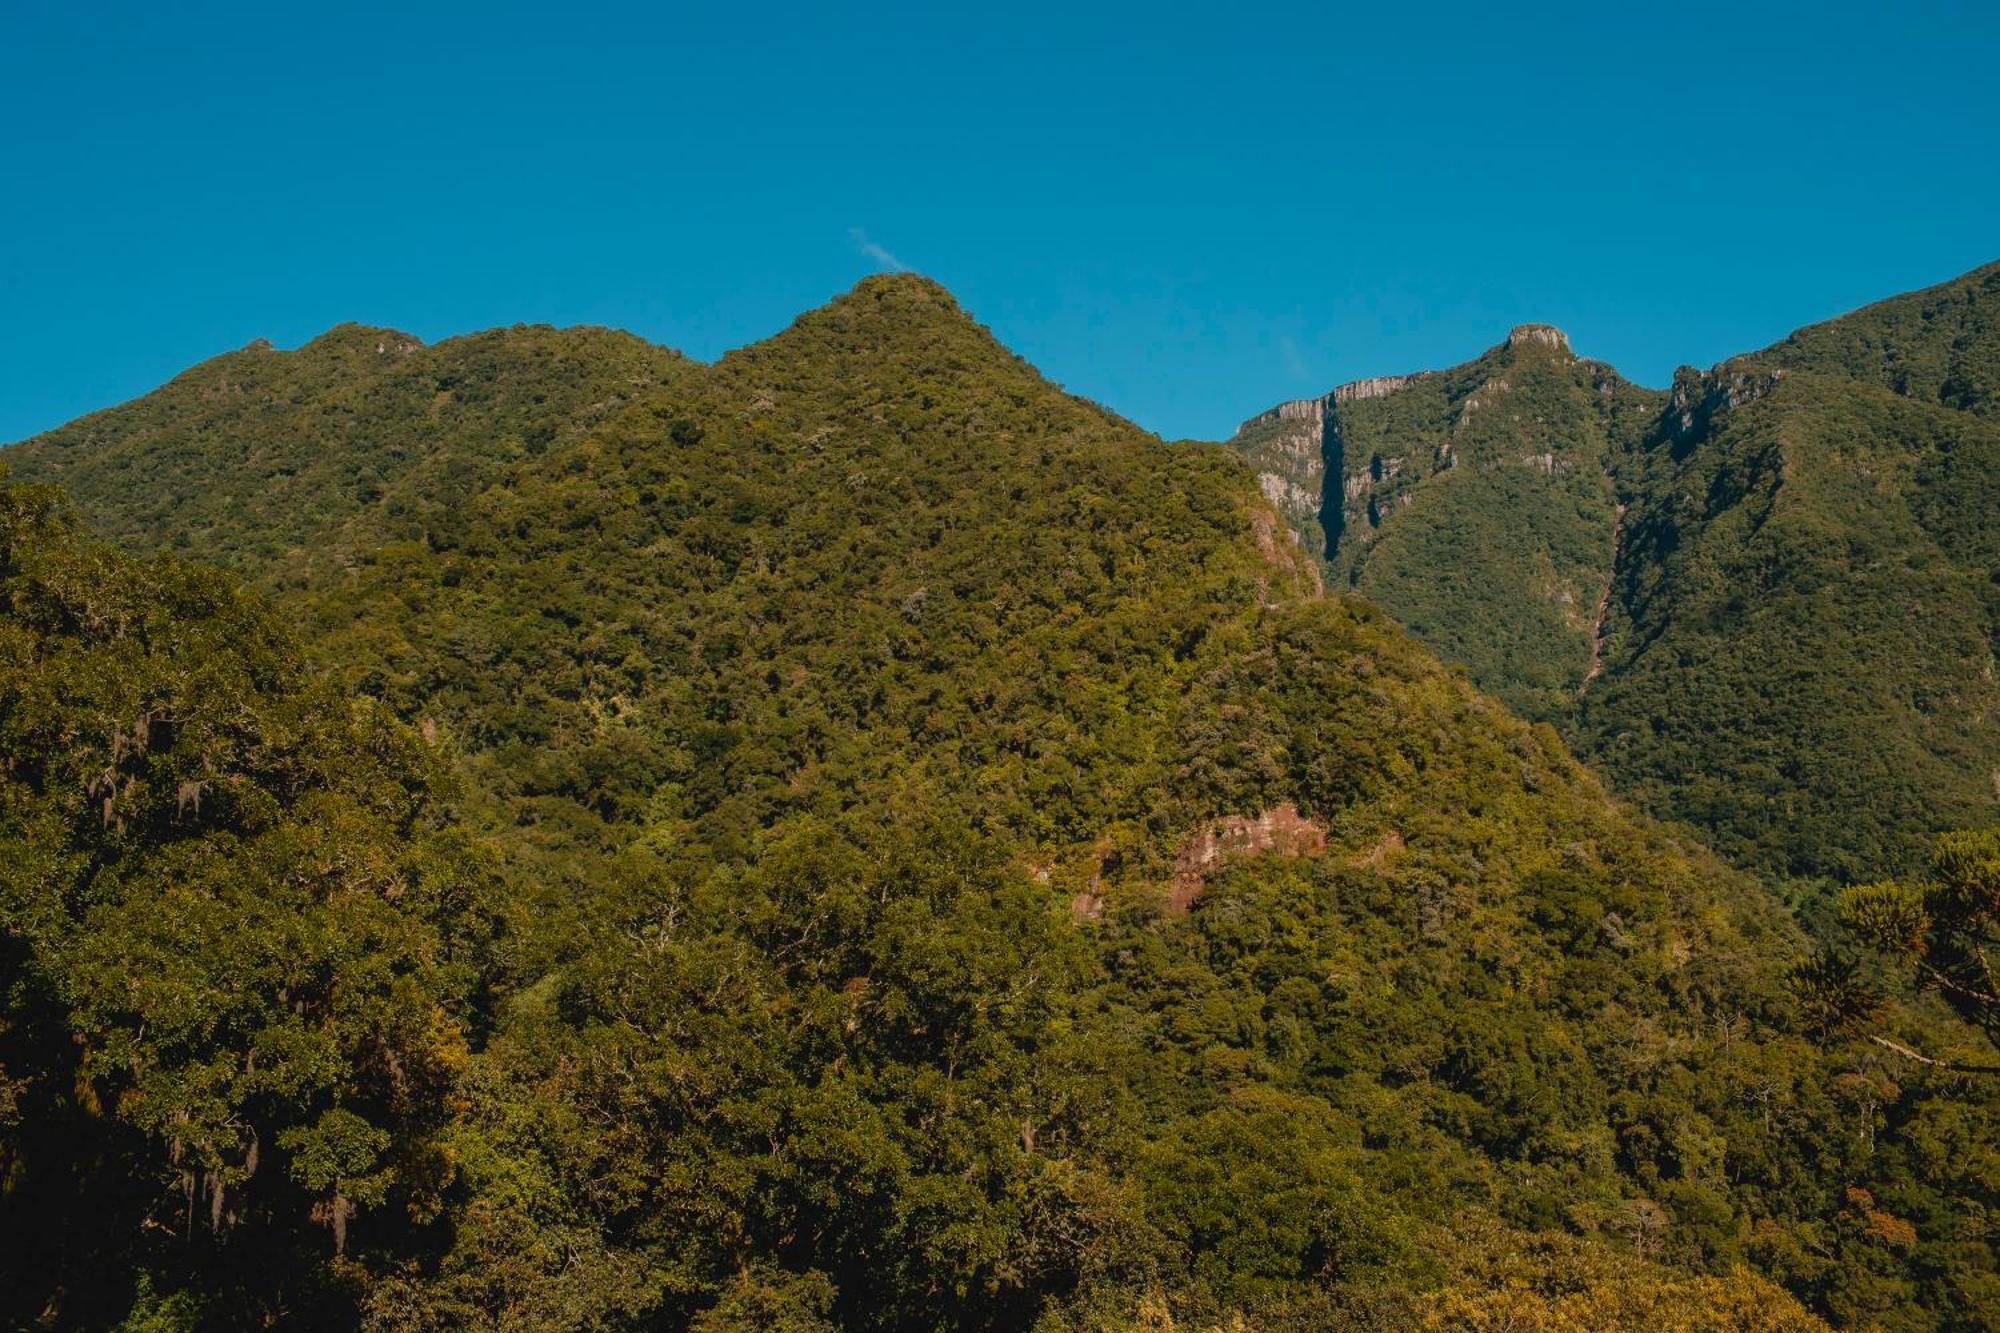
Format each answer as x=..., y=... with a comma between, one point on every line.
x=1548, y=335
x=259, y=453
x=1475, y=504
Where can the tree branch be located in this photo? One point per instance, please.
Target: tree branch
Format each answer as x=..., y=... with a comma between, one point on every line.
x=1945, y=983
x=1909, y=1054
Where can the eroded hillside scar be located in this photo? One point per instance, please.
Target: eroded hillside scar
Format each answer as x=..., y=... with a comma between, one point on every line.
x=1604, y=601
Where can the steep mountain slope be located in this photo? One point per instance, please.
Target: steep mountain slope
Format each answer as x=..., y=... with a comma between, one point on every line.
x=958, y=871
x=1800, y=650
x=1472, y=503
x=1764, y=603
x=1940, y=345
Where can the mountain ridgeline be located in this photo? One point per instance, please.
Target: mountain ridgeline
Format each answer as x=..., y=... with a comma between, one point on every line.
x=1764, y=602
x=259, y=455
x=852, y=836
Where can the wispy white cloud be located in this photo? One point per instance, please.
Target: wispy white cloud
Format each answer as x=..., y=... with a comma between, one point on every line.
x=875, y=252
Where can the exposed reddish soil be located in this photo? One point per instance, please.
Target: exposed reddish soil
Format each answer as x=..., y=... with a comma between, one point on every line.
x=1281, y=830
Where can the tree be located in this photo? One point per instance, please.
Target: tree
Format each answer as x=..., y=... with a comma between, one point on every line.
x=238, y=931
x=1937, y=934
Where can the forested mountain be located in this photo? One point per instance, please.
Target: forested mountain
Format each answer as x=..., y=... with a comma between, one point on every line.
x=242, y=943
x=1940, y=345
x=1764, y=602
x=1476, y=504
x=259, y=454
x=852, y=836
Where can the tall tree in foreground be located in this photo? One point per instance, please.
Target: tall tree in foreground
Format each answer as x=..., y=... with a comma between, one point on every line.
x=1939, y=934
x=235, y=942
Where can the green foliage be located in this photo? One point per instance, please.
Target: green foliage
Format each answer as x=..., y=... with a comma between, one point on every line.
x=258, y=456
x=1764, y=604
x=847, y=719
x=1939, y=345
x=1798, y=656
x=1830, y=993
x=1480, y=512
x=1873, y=996
x=239, y=936
x=1943, y=931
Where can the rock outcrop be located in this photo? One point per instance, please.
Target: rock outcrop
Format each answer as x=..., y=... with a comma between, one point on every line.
x=1281, y=831
x=1546, y=334
x=1360, y=391
x=1697, y=399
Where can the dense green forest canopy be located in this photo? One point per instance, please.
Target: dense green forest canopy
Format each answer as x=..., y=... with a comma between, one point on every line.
x=242, y=939
x=1765, y=602
x=855, y=837
x=259, y=454
x=1940, y=345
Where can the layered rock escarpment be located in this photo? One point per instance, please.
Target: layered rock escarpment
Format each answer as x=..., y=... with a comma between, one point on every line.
x=1287, y=446
x=1296, y=445
x=1360, y=391
x=1473, y=503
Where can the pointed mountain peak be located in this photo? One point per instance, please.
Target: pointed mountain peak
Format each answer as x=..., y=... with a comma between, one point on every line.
x=903, y=297
x=892, y=315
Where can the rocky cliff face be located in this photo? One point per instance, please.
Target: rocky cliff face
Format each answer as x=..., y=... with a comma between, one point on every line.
x=1360, y=391
x=1698, y=399
x=1474, y=503
x=1296, y=445
x=1548, y=335
x=1287, y=447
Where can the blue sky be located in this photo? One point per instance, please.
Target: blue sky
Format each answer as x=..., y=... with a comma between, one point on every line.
x=1185, y=212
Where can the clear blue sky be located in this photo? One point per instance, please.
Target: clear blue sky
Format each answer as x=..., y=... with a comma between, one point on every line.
x=1184, y=212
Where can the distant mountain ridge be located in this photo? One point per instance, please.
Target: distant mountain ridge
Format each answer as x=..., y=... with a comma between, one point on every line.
x=1763, y=601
